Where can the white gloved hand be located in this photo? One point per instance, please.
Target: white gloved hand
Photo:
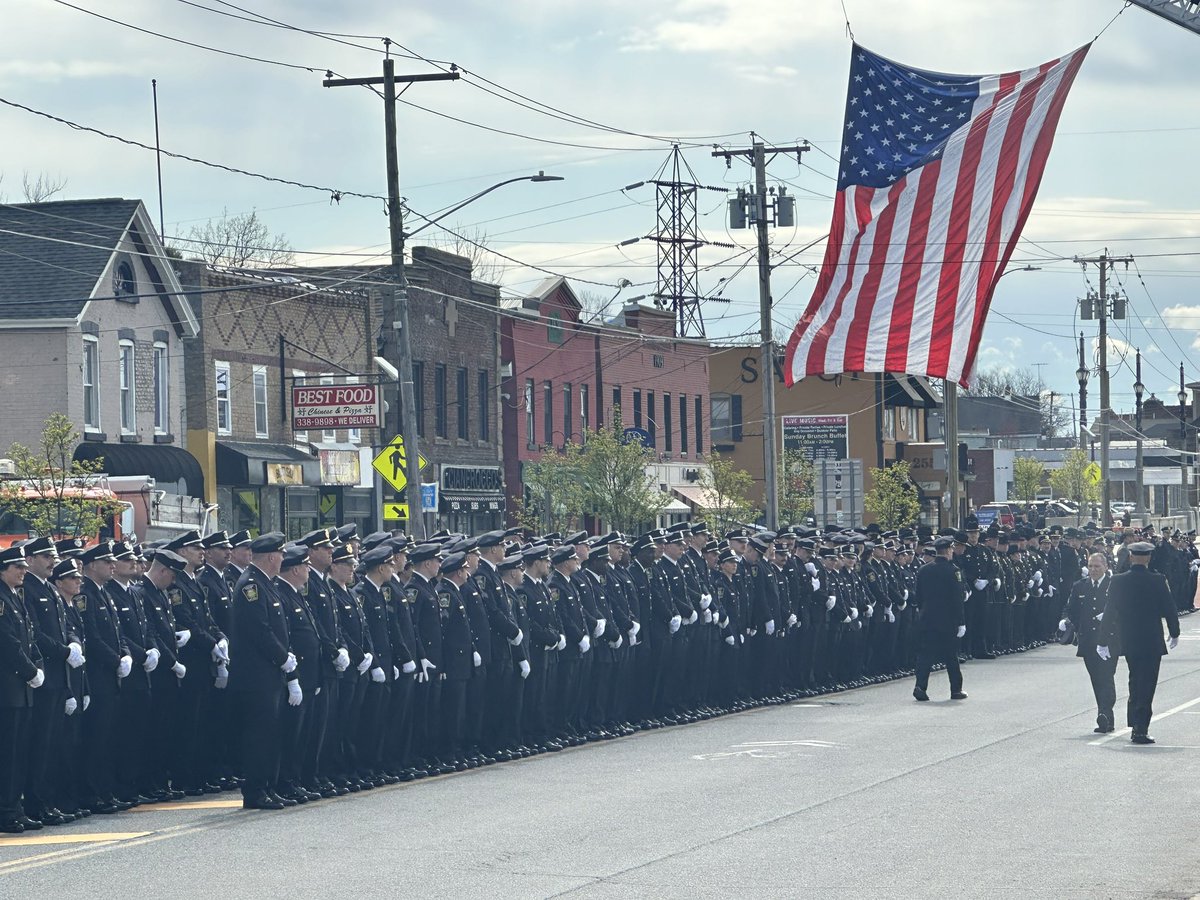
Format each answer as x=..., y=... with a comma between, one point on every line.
x=810, y=568
x=601, y=624
x=378, y=675
x=890, y=616
x=707, y=617
x=1102, y=652
x=1037, y=576
x=633, y=641
x=476, y=659
x=730, y=640
x=815, y=582
x=1050, y=591
x=220, y=651
x=1083, y=572
x=222, y=679
x=636, y=628
x=830, y=602
x=395, y=673
x=854, y=612
x=124, y=666
x=1029, y=585
x=152, y=657
x=996, y=582
x=367, y=659
x=523, y=666
x=516, y=641
x=409, y=667
x=1099, y=617
x=179, y=669
x=980, y=584
x=1172, y=643
x=37, y=679
x=870, y=610
x=705, y=601
x=692, y=618
x=846, y=621
x=962, y=629
x=618, y=643
x=426, y=669
x=295, y=695
x=342, y=661
x=75, y=657
x=182, y=637
x=87, y=701
x=289, y=664
x=585, y=644
x=906, y=595
x=770, y=626
x=71, y=705
x=724, y=623
x=791, y=620
x=1062, y=625
x=676, y=621
x=562, y=642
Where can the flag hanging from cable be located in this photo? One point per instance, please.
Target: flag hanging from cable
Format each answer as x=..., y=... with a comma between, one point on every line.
x=937, y=176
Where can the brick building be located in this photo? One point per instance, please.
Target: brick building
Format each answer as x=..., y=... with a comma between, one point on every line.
x=563, y=376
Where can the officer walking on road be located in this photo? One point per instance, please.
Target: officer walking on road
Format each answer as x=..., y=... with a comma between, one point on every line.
x=940, y=587
x=1085, y=614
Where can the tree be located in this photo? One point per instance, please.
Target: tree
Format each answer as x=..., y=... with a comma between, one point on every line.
x=893, y=497
x=1071, y=480
x=617, y=488
x=1027, y=477
x=795, y=487
x=1024, y=385
x=50, y=493
x=240, y=242
x=471, y=243
x=728, y=489
x=553, y=493
x=37, y=188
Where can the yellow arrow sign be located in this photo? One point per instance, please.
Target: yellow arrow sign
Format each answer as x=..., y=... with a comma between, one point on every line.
x=391, y=461
x=395, y=512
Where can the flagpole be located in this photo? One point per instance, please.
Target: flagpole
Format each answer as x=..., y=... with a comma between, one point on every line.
x=950, y=429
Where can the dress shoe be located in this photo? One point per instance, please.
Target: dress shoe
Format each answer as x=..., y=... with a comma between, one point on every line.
x=105, y=808
x=1104, y=724
x=176, y=796
x=920, y=694
x=30, y=824
x=1141, y=739
x=958, y=695
x=279, y=798
x=261, y=802
x=11, y=826
x=50, y=817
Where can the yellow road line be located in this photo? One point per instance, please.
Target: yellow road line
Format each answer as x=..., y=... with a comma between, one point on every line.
x=198, y=804
x=38, y=840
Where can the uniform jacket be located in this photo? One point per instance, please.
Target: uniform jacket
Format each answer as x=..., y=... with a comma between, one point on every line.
x=259, y=641
x=1138, y=601
x=1085, y=608
x=106, y=644
x=940, y=587
x=20, y=657
x=137, y=633
x=458, y=643
x=47, y=611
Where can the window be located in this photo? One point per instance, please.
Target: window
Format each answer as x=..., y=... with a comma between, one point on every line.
x=260, y=401
x=439, y=400
x=726, y=418
x=651, y=418
x=617, y=401
x=463, y=399
x=484, y=401
x=298, y=380
x=162, y=382
x=125, y=378
x=637, y=409
x=354, y=435
x=91, y=383
x=667, y=436
x=530, y=437
x=699, y=425
x=568, y=414
x=328, y=436
x=683, y=424
x=889, y=424
x=419, y=396
x=584, y=422
x=548, y=412
x=554, y=331
x=224, y=410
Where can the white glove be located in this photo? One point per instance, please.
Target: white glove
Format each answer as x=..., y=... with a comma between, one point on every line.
x=617, y=644
x=367, y=659
x=724, y=623
x=707, y=617
x=705, y=601
x=75, y=657
x=585, y=644
x=791, y=620
x=810, y=568
x=181, y=638
x=289, y=664
x=770, y=626
x=40, y=676
x=633, y=641
x=1037, y=576
x=996, y=582
x=342, y=661
x=395, y=673
x=179, y=669
x=426, y=668
x=890, y=616
x=1099, y=617
x=980, y=584
x=730, y=640
x=124, y=666
x=409, y=667
x=830, y=602
x=1103, y=653
x=1083, y=572
x=378, y=675
x=516, y=641
x=1172, y=643
x=962, y=629
x=222, y=679
x=71, y=705
x=220, y=651
x=815, y=582
x=870, y=610
x=1062, y=624
x=152, y=657
x=476, y=658
x=854, y=612
x=846, y=621
x=1029, y=585
x=562, y=642
x=601, y=624
x=906, y=595
x=1050, y=591
x=692, y=618
x=636, y=629
x=295, y=695
x=523, y=666
x=87, y=701
x=675, y=623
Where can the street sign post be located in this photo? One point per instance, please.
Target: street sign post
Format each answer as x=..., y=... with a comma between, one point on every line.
x=390, y=463
x=429, y=497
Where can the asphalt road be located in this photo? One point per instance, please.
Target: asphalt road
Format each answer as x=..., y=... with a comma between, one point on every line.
x=865, y=794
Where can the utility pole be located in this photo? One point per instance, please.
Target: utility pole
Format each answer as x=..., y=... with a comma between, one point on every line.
x=757, y=154
x=1138, y=390
x=397, y=337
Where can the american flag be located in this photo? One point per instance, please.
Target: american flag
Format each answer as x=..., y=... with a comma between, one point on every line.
x=937, y=176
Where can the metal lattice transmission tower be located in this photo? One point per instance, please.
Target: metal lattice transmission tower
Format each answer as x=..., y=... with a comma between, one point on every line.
x=679, y=242
x=1185, y=13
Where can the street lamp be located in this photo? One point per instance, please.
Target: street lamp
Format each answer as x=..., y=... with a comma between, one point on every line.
x=536, y=179
x=1082, y=373
x=1138, y=390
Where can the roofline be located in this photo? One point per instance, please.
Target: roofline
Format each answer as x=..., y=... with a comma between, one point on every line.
x=31, y=324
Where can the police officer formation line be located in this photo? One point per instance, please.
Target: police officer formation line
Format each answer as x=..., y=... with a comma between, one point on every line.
x=334, y=664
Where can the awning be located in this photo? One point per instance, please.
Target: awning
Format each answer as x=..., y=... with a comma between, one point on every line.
x=675, y=507
x=165, y=464
x=698, y=498
x=458, y=502
x=243, y=462
x=909, y=390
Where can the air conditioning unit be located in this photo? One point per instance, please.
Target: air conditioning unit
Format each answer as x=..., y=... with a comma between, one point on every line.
x=691, y=474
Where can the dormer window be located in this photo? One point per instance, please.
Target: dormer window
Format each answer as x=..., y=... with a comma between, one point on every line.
x=124, y=282
x=554, y=329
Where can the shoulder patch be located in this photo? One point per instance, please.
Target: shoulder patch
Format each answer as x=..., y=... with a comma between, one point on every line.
x=250, y=592
x=481, y=580
x=386, y=590
x=443, y=600
x=410, y=595
x=871, y=577
x=957, y=575
x=80, y=603
x=553, y=595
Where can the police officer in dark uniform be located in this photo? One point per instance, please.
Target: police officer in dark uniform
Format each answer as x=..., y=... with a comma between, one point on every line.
x=459, y=656
x=240, y=555
x=155, y=591
x=502, y=636
x=21, y=674
x=508, y=735
x=1138, y=601
x=406, y=653
x=545, y=641
x=942, y=622
x=426, y=559
x=374, y=591
x=299, y=725
x=565, y=597
x=352, y=622
x=1084, y=615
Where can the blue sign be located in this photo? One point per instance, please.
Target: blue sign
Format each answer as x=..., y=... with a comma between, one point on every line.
x=641, y=435
x=429, y=497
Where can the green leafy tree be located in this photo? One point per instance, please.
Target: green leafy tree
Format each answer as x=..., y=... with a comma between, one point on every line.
x=1027, y=477
x=553, y=492
x=893, y=497
x=727, y=489
x=51, y=489
x=795, y=487
x=617, y=488
x=1071, y=481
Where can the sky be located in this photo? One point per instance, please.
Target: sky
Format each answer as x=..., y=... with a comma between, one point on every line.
x=698, y=72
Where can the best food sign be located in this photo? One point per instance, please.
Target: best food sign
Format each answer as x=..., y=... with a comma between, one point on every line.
x=331, y=406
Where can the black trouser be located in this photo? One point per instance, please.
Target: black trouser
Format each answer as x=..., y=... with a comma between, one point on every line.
x=133, y=758
x=14, y=755
x=427, y=723
x=371, y=726
x=543, y=671
x=295, y=729
x=398, y=746
x=566, y=694
x=977, y=608
x=477, y=695
x=45, y=732
x=454, y=709
x=68, y=785
x=937, y=648
x=1102, y=672
x=1143, y=679
x=258, y=716
x=317, y=730
x=164, y=694
x=99, y=729
x=188, y=769
x=351, y=694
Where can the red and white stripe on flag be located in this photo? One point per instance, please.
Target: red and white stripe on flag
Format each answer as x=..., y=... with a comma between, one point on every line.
x=910, y=267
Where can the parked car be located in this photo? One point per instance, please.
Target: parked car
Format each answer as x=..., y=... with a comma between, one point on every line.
x=998, y=513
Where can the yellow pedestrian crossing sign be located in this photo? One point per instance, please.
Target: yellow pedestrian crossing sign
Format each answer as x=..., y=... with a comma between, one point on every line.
x=395, y=512
x=391, y=461
x=1092, y=472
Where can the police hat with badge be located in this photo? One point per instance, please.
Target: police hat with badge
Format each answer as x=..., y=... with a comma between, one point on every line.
x=216, y=540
